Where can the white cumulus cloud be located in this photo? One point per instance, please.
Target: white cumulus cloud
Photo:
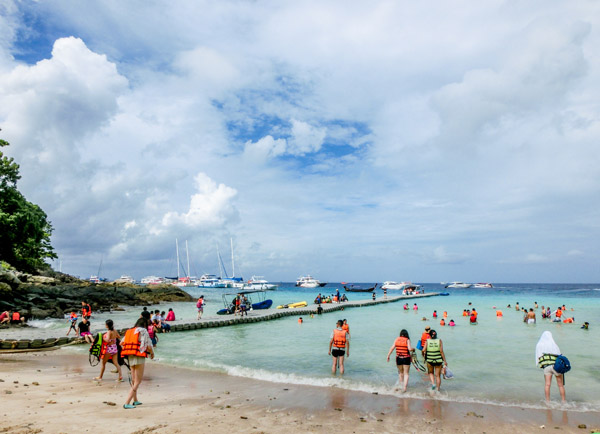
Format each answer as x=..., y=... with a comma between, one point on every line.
x=212, y=206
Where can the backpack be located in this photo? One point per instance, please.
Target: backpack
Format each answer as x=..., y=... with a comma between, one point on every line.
x=562, y=364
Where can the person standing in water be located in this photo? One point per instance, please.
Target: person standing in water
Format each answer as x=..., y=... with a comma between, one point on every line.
x=346, y=327
x=339, y=347
x=136, y=346
x=546, y=352
x=435, y=358
x=403, y=357
x=200, y=306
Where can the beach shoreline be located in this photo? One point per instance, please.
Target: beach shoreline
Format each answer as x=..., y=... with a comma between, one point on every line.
x=178, y=399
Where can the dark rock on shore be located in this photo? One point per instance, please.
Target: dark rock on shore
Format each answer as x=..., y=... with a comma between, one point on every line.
x=53, y=296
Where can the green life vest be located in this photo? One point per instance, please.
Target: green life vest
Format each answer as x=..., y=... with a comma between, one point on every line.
x=433, y=353
x=546, y=360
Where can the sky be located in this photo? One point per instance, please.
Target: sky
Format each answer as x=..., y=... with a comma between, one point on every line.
x=354, y=141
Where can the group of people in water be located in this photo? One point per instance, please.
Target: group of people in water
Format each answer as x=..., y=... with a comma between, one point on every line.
x=430, y=345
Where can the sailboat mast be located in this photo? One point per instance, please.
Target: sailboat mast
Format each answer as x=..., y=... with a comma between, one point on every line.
x=187, y=252
x=232, y=263
x=177, y=248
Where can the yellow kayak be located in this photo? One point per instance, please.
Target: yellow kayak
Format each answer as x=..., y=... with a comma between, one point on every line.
x=293, y=305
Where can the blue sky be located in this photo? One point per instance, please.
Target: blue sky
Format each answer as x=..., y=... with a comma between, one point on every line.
x=354, y=141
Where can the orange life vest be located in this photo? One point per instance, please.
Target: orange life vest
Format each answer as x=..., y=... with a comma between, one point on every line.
x=402, y=347
x=498, y=313
x=568, y=320
x=465, y=313
x=346, y=328
x=442, y=322
x=339, y=338
x=558, y=313
x=445, y=314
x=424, y=338
x=16, y=316
x=131, y=344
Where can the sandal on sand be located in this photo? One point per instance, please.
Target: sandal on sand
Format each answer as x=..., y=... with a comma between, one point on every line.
x=97, y=378
x=137, y=403
x=128, y=406
x=120, y=380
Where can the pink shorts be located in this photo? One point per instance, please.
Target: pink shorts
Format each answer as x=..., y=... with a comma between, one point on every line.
x=112, y=349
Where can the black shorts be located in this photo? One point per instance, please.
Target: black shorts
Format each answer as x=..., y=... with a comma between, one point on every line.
x=336, y=352
x=435, y=363
x=400, y=361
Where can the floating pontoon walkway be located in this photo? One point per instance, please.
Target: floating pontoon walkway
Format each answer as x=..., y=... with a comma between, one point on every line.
x=22, y=345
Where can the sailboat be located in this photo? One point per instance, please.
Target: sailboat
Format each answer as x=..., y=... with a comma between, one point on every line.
x=233, y=282
x=186, y=280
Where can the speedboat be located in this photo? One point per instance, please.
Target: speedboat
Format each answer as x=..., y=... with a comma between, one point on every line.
x=256, y=300
x=458, y=285
x=309, y=282
x=258, y=282
x=396, y=286
x=483, y=285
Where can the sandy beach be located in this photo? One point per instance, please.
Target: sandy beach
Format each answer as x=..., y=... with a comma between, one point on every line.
x=54, y=392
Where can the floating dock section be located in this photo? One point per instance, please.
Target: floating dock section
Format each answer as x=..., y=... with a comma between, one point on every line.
x=24, y=345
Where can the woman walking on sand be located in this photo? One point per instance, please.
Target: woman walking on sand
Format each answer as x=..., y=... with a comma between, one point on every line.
x=546, y=352
x=136, y=346
x=109, y=343
x=403, y=357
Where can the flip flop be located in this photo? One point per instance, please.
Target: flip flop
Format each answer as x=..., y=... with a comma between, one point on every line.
x=128, y=406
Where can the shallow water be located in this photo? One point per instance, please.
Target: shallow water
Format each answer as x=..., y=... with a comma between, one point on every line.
x=493, y=362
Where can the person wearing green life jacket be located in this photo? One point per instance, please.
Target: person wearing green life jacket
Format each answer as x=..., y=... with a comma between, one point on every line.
x=435, y=358
x=546, y=352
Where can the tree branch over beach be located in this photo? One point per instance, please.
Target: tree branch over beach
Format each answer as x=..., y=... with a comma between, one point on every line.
x=24, y=227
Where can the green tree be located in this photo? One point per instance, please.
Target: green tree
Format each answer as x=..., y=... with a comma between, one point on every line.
x=24, y=227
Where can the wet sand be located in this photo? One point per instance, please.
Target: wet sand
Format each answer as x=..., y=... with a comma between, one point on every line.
x=178, y=400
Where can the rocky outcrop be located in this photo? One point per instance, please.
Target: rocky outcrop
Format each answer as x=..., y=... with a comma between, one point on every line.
x=55, y=296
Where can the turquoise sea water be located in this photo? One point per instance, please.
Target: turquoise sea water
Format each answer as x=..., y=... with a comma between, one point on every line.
x=493, y=362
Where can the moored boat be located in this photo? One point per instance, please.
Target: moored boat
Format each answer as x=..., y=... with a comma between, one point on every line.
x=309, y=282
x=458, y=285
x=358, y=288
x=400, y=286
x=258, y=282
x=483, y=285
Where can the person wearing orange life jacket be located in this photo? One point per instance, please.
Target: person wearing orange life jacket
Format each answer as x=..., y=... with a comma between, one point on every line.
x=17, y=318
x=442, y=322
x=346, y=327
x=339, y=347
x=403, y=357
x=424, y=338
x=73, y=323
x=136, y=346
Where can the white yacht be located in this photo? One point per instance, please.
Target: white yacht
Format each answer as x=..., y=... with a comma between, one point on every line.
x=152, y=280
x=458, y=285
x=308, y=282
x=395, y=285
x=125, y=279
x=259, y=282
x=211, y=281
x=483, y=285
